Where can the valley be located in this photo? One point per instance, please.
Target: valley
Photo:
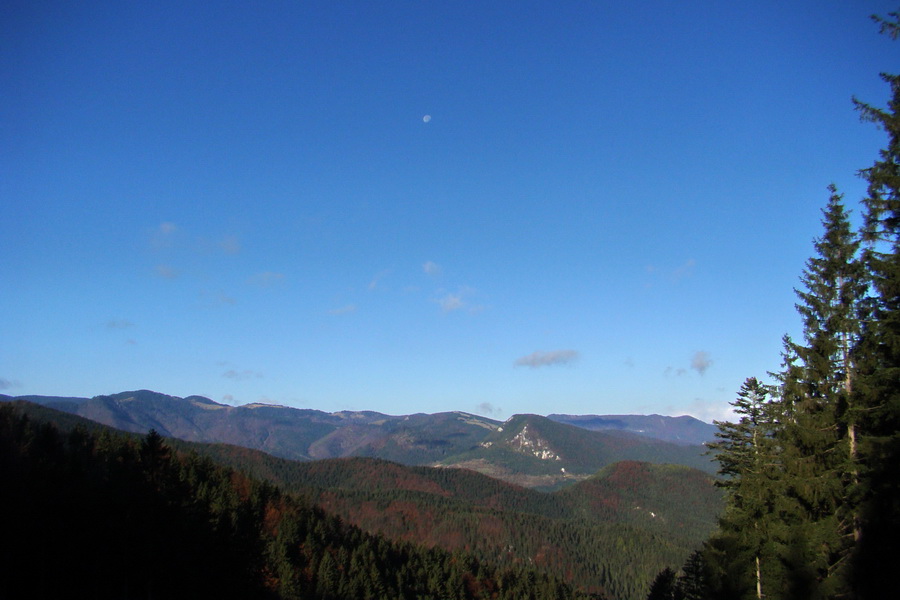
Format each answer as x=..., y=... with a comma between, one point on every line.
x=602, y=511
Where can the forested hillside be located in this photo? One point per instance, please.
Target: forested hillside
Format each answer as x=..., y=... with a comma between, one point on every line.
x=527, y=450
x=608, y=535
x=811, y=463
x=105, y=516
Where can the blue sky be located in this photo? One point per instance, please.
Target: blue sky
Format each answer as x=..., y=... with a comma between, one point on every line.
x=499, y=207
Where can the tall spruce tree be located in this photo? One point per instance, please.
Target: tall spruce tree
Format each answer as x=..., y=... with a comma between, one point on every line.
x=747, y=457
x=818, y=425
x=878, y=354
x=832, y=434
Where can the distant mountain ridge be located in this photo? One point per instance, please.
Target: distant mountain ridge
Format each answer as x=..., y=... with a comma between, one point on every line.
x=528, y=450
x=680, y=430
x=609, y=533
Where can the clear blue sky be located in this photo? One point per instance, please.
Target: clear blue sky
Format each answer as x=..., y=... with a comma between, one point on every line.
x=495, y=207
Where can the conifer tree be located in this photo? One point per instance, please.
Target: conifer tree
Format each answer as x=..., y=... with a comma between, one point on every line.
x=664, y=586
x=878, y=354
x=747, y=457
x=817, y=430
x=692, y=581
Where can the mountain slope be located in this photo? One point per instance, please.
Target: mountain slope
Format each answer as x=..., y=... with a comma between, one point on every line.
x=540, y=452
x=159, y=523
x=680, y=430
x=526, y=449
x=598, y=535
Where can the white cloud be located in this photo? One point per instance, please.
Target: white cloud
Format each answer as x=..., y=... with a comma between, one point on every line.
x=707, y=410
x=545, y=359
x=701, y=361
x=459, y=300
x=343, y=310
x=431, y=268
x=451, y=302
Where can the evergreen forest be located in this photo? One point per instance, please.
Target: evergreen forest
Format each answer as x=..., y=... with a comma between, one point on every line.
x=104, y=515
x=810, y=466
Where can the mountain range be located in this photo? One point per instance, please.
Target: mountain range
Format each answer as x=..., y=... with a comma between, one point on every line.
x=530, y=450
x=605, y=533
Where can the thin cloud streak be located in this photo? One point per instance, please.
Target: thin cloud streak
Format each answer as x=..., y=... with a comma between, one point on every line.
x=539, y=359
x=241, y=375
x=343, y=310
x=267, y=279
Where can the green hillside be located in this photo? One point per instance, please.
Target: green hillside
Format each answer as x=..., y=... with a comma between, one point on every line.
x=610, y=533
x=531, y=445
x=110, y=516
x=526, y=450
x=597, y=535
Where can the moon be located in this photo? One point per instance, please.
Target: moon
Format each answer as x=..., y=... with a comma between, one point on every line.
x=426, y=118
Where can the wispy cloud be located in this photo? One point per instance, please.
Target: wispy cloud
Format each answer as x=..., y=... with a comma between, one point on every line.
x=211, y=299
x=547, y=359
x=705, y=410
x=451, y=302
x=489, y=410
x=675, y=275
x=700, y=362
x=431, y=268
x=119, y=324
x=166, y=272
x=241, y=375
x=230, y=244
x=225, y=299
x=376, y=280
x=676, y=372
x=8, y=384
x=163, y=236
x=685, y=270
x=459, y=300
x=267, y=279
x=343, y=310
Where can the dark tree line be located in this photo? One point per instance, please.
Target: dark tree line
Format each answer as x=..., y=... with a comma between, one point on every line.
x=108, y=516
x=811, y=464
